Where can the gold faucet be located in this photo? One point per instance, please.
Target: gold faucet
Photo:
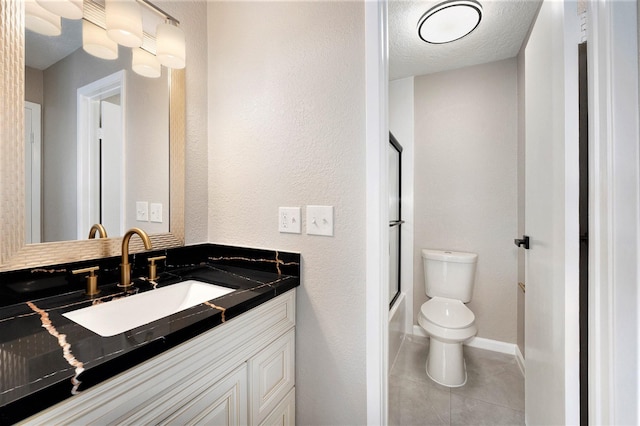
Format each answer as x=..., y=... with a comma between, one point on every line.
x=99, y=229
x=125, y=267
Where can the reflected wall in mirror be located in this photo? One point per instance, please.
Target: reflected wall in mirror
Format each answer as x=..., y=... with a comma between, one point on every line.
x=139, y=160
x=95, y=132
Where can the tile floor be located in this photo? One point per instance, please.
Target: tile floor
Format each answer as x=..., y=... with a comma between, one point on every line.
x=493, y=394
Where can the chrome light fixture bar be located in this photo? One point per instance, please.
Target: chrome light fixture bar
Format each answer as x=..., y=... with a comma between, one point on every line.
x=449, y=21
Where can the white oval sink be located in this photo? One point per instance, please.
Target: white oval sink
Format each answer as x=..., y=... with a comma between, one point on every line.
x=117, y=316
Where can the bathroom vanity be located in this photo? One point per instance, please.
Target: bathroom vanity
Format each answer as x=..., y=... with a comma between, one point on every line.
x=229, y=360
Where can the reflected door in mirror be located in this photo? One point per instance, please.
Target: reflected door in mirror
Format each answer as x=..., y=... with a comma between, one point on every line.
x=33, y=172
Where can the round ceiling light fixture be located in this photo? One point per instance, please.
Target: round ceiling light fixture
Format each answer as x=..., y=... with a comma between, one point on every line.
x=449, y=21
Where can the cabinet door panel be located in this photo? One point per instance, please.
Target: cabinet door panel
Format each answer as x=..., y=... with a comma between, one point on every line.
x=284, y=414
x=272, y=375
x=223, y=404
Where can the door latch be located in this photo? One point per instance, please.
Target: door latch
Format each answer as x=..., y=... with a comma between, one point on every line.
x=524, y=242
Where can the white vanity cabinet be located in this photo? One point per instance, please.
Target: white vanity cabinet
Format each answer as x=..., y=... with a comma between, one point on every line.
x=239, y=373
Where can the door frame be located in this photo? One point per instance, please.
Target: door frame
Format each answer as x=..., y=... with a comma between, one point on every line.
x=614, y=224
x=88, y=114
x=377, y=210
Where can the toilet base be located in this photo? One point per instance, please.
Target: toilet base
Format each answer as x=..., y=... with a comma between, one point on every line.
x=445, y=364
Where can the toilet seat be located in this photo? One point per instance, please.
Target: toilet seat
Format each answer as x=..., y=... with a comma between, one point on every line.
x=447, y=313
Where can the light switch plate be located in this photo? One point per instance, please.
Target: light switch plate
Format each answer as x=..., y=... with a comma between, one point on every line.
x=155, y=212
x=142, y=211
x=289, y=220
x=320, y=220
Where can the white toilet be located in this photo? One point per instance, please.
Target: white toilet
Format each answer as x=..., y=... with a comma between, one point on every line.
x=448, y=280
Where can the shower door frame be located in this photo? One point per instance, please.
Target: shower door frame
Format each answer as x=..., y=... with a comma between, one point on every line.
x=393, y=142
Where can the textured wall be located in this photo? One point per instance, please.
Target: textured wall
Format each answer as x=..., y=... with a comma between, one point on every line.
x=287, y=128
x=466, y=183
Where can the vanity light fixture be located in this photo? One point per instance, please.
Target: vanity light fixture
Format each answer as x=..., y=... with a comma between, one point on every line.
x=170, y=45
x=40, y=20
x=96, y=42
x=124, y=22
x=145, y=64
x=70, y=9
x=117, y=22
x=449, y=21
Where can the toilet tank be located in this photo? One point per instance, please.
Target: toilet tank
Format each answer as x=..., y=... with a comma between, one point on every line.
x=449, y=274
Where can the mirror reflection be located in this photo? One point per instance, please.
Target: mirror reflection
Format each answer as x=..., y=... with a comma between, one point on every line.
x=97, y=135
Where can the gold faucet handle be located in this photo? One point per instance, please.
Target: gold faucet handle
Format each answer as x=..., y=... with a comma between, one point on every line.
x=92, y=279
x=153, y=267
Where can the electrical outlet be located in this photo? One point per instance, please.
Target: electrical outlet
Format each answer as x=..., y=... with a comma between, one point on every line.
x=155, y=212
x=289, y=220
x=142, y=211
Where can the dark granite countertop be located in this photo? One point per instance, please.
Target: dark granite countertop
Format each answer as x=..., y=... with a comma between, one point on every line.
x=46, y=358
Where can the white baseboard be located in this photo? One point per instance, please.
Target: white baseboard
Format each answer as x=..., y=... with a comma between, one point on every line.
x=479, y=342
x=520, y=359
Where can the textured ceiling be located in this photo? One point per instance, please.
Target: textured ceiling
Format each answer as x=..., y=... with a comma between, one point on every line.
x=42, y=51
x=504, y=25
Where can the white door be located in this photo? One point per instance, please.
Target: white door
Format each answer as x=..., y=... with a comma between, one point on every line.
x=33, y=171
x=551, y=217
x=98, y=120
x=111, y=160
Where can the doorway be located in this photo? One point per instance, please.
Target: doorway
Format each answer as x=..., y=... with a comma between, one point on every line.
x=101, y=124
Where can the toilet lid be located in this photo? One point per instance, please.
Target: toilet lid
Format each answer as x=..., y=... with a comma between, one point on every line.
x=448, y=313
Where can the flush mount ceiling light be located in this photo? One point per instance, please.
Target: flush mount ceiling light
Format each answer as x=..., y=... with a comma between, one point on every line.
x=449, y=21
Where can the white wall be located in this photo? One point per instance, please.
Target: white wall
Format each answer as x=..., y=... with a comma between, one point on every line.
x=287, y=128
x=466, y=183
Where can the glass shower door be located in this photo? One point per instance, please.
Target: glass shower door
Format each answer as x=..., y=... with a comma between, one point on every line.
x=395, y=217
